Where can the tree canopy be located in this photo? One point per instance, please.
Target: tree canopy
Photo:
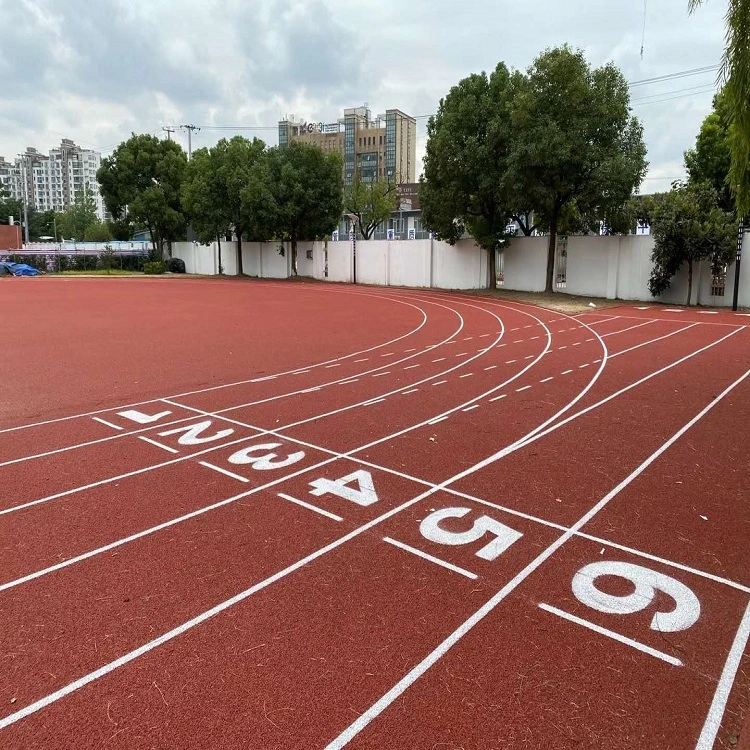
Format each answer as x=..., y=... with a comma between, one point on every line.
x=294, y=193
x=76, y=220
x=464, y=187
x=689, y=226
x=576, y=150
x=142, y=180
x=371, y=203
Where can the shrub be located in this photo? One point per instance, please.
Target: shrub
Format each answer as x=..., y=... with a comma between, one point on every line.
x=176, y=265
x=155, y=267
x=107, y=258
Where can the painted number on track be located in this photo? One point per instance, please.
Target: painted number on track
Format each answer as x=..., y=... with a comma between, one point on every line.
x=265, y=461
x=645, y=583
x=431, y=529
x=192, y=432
x=363, y=493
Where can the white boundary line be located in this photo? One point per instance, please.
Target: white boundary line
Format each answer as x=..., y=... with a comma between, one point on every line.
x=107, y=424
x=724, y=688
x=309, y=506
x=416, y=672
x=430, y=558
x=611, y=634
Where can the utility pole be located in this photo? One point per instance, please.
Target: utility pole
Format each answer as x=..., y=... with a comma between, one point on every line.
x=25, y=199
x=169, y=132
x=738, y=260
x=190, y=130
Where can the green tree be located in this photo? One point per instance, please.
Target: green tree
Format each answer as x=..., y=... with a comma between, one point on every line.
x=121, y=229
x=689, y=226
x=142, y=180
x=294, y=194
x=710, y=160
x=464, y=185
x=9, y=207
x=41, y=224
x=736, y=73
x=371, y=203
x=576, y=149
x=73, y=223
x=97, y=232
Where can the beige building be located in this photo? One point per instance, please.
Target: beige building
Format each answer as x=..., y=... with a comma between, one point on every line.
x=383, y=148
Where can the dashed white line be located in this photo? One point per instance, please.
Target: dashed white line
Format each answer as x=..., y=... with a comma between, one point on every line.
x=223, y=471
x=462, y=354
x=511, y=361
x=467, y=375
x=566, y=372
x=524, y=388
x=484, y=335
x=356, y=361
x=108, y=424
x=380, y=374
x=534, y=338
x=440, y=382
x=439, y=419
x=560, y=348
x=491, y=367
x=387, y=354
x=411, y=367
x=313, y=508
x=413, y=390
x=471, y=408
x=531, y=356
x=425, y=556
x=580, y=367
x=497, y=398
x=347, y=382
x=158, y=445
x=336, y=364
x=468, y=338
x=260, y=380
x=520, y=341
x=410, y=350
x=577, y=343
x=546, y=380
x=300, y=372
x=374, y=401
x=439, y=359
x=707, y=312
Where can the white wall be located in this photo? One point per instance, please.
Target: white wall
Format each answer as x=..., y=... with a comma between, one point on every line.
x=462, y=266
x=525, y=264
x=588, y=264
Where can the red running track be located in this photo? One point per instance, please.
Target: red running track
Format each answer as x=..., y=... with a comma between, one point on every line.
x=386, y=519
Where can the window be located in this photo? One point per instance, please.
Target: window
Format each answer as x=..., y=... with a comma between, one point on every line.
x=381, y=140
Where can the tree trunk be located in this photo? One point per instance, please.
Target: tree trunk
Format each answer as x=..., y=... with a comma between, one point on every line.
x=690, y=281
x=551, y=250
x=492, y=281
x=240, y=272
x=218, y=240
x=294, y=255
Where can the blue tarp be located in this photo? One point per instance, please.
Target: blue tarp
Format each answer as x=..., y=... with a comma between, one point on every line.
x=20, y=269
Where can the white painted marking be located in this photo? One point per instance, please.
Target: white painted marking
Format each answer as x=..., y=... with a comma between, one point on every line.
x=674, y=310
x=484, y=335
x=380, y=374
x=260, y=380
x=642, y=308
x=374, y=401
x=349, y=382
x=491, y=367
x=223, y=471
x=612, y=634
x=560, y=348
x=531, y=356
x=300, y=372
x=511, y=361
x=566, y=372
x=546, y=380
x=596, y=361
x=425, y=556
x=517, y=328
x=587, y=340
x=450, y=342
x=468, y=338
x=524, y=388
x=138, y=416
x=309, y=506
x=310, y=390
x=707, y=312
x=439, y=419
x=336, y=364
x=467, y=375
x=534, y=338
x=107, y=424
x=357, y=361
x=462, y=354
x=440, y=382
x=158, y=445
x=581, y=367
x=363, y=494
x=651, y=341
x=724, y=688
x=578, y=343
x=413, y=390
x=520, y=341
x=413, y=349
x=629, y=328
x=471, y=408
x=497, y=398
x=439, y=359
x=192, y=431
x=411, y=367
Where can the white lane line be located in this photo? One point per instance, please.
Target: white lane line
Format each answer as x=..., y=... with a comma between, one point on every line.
x=223, y=471
x=629, y=328
x=597, y=360
x=497, y=398
x=560, y=348
x=707, y=312
x=387, y=354
x=674, y=309
x=447, y=644
x=467, y=375
x=136, y=416
x=566, y=372
x=611, y=634
x=357, y=361
x=349, y=382
x=108, y=424
x=491, y=367
x=471, y=408
x=724, y=688
x=462, y=354
x=531, y=356
x=260, y=380
x=313, y=508
x=578, y=343
x=642, y=308
x=520, y=341
x=310, y=390
x=158, y=445
x=380, y=374
x=468, y=338
x=534, y=338
x=529, y=326
x=580, y=367
x=651, y=341
x=546, y=380
x=440, y=382
x=411, y=367
x=374, y=401
x=517, y=328
x=524, y=388
x=301, y=372
x=406, y=351
x=439, y=419
x=413, y=390
x=511, y=361
x=450, y=342
x=337, y=364
x=439, y=359
x=484, y=335
x=425, y=556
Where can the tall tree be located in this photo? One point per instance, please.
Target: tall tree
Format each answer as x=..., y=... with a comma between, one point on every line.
x=9, y=207
x=371, y=203
x=735, y=71
x=233, y=162
x=294, y=194
x=689, y=226
x=576, y=147
x=710, y=160
x=142, y=180
x=464, y=185
x=73, y=222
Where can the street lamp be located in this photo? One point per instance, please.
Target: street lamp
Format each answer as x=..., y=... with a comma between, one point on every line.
x=353, y=236
x=738, y=260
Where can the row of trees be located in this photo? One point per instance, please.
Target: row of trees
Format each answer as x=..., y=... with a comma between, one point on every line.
x=557, y=144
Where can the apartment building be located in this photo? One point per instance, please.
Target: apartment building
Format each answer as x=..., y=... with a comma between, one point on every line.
x=380, y=148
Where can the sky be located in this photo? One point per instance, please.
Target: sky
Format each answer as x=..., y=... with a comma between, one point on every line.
x=95, y=71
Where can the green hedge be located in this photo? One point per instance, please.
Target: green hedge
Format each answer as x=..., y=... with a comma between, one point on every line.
x=155, y=267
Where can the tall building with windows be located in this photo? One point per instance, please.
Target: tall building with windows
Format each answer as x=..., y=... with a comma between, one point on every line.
x=380, y=148
x=52, y=181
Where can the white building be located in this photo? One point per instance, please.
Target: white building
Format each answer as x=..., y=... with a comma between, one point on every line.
x=52, y=181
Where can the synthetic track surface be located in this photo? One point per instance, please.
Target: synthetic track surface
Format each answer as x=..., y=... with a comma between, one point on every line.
x=273, y=515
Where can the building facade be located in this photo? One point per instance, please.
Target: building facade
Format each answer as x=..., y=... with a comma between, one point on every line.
x=52, y=181
x=383, y=148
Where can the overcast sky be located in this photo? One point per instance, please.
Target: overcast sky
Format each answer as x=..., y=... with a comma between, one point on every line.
x=96, y=70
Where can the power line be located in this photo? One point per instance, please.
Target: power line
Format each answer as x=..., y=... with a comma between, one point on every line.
x=679, y=96
x=673, y=76
x=698, y=89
